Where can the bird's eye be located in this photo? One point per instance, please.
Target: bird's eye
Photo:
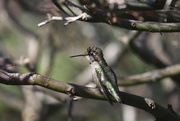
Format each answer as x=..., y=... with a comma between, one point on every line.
x=91, y=53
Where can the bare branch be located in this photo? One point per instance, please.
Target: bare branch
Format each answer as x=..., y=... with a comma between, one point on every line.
x=96, y=14
x=67, y=19
x=148, y=77
x=147, y=26
x=146, y=104
x=150, y=58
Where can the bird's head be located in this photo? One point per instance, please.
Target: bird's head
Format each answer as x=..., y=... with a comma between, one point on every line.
x=92, y=54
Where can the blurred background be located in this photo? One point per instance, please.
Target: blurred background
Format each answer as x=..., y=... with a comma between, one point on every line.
x=46, y=50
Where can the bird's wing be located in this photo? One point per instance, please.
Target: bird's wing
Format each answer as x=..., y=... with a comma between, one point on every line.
x=111, y=76
x=112, y=81
x=103, y=87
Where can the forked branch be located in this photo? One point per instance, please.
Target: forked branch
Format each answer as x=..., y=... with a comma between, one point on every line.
x=117, y=17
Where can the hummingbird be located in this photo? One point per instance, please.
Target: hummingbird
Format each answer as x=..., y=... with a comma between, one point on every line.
x=103, y=75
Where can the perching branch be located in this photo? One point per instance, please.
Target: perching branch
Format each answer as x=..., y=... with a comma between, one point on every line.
x=147, y=77
x=146, y=104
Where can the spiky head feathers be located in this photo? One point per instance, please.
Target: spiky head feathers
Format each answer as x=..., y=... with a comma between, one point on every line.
x=94, y=51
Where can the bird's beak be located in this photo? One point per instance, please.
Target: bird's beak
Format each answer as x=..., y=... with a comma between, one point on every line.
x=78, y=55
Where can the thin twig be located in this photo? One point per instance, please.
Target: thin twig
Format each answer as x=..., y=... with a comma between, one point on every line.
x=67, y=19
